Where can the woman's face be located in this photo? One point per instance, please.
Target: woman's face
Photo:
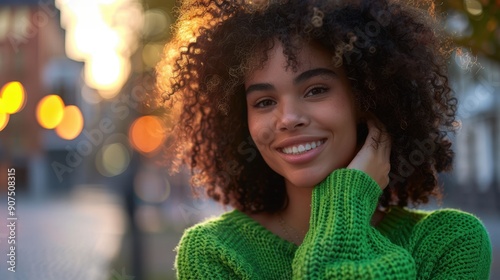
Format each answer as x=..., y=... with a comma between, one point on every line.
x=304, y=122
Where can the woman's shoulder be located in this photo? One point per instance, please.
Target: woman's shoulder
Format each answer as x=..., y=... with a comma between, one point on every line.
x=405, y=226
x=230, y=226
x=448, y=225
x=210, y=236
x=436, y=231
x=214, y=226
x=440, y=220
x=432, y=219
x=452, y=242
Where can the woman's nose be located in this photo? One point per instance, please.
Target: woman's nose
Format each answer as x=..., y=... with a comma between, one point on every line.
x=290, y=116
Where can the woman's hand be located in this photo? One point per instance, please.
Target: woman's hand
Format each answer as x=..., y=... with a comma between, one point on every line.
x=374, y=156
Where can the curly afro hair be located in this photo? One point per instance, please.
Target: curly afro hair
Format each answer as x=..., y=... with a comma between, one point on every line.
x=392, y=53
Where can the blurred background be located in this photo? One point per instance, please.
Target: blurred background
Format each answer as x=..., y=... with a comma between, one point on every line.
x=83, y=144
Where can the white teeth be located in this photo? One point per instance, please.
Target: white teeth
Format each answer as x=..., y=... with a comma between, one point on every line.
x=301, y=148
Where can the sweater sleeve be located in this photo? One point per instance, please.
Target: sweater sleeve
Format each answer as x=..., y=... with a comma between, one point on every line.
x=451, y=244
x=198, y=257
x=341, y=243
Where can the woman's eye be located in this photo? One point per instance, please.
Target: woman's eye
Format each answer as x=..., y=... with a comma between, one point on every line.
x=264, y=103
x=316, y=90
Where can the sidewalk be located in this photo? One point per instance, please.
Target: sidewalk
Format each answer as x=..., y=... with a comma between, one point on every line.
x=65, y=238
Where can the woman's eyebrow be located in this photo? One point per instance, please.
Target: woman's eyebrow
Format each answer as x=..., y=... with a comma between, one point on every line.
x=312, y=73
x=258, y=87
x=300, y=78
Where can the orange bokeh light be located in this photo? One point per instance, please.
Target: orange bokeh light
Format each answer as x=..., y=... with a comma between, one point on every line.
x=146, y=134
x=72, y=123
x=50, y=111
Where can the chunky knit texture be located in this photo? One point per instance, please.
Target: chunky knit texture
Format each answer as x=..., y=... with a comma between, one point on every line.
x=340, y=243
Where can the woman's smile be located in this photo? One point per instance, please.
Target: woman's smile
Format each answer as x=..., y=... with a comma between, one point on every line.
x=298, y=149
x=301, y=152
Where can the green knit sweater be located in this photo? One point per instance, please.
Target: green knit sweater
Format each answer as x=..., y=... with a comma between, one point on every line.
x=340, y=243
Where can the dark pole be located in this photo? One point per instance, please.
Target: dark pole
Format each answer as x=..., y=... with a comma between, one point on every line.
x=131, y=201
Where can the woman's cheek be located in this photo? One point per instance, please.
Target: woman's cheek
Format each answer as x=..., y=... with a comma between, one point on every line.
x=261, y=132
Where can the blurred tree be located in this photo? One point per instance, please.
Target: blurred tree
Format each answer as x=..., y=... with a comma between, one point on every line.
x=474, y=25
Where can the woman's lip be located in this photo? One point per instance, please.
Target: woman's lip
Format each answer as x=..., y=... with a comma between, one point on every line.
x=304, y=157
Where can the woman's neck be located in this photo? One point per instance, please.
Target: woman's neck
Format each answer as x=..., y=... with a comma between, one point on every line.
x=298, y=210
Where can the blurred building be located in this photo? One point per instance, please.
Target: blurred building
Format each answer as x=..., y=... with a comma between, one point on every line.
x=31, y=42
x=476, y=82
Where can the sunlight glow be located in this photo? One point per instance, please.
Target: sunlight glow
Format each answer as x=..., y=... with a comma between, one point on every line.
x=103, y=34
x=107, y=72
x=84, y=40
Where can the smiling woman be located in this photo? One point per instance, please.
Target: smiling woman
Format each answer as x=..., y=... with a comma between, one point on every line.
x=348, y=108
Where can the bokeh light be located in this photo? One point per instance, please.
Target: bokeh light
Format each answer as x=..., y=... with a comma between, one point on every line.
x=79, y=38
x=156, y=21
x=458, y=25
x=113, y=159
x=72, y=123
x=50, y=111
x=151, y=54
x=151, y=185
x=4, y=117
x=13, y=96
x=474, y=7
x=146, y=134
